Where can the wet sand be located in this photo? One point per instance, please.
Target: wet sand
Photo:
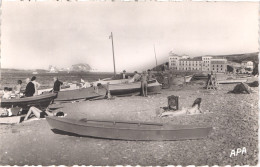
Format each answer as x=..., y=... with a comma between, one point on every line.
x=234, y=118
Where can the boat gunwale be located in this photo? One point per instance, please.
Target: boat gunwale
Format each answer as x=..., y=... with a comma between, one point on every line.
x=32, y=98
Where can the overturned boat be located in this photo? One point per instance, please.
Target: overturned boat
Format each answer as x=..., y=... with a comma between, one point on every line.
x=39, y=101
x=122, y=130
x=132, y=88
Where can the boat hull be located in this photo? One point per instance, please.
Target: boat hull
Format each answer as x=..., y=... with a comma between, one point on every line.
x=132, y=88
x=128, y=131
x=233, y=81
x=78, y=94
x=40, y=101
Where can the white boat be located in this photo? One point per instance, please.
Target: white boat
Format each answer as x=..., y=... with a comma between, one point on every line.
x=232, y=81
x=35, y=72
x=111, y=81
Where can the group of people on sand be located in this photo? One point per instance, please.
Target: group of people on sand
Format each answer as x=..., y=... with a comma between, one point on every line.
x=31, y=89
x=144, y=77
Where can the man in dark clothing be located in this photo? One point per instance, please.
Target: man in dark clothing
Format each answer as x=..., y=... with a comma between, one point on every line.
x=29, y=90
x=57, y=84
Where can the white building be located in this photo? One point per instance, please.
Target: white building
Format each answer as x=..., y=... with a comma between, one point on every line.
x=194, y=64
x=218, y=65
x=206, y=63
x=174, y=60
x=247, y=64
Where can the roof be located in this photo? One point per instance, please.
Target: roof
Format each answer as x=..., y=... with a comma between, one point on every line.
x=193, y=59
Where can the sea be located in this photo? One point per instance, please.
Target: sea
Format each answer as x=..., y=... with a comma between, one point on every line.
x=9, y=78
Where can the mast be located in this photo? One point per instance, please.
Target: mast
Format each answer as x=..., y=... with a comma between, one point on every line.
x=155, y=56
x=111, y=37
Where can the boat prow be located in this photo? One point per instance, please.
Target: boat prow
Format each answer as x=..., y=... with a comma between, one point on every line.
x=121, y=130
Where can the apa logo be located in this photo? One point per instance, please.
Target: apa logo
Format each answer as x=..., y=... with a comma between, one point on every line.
x=238, y=151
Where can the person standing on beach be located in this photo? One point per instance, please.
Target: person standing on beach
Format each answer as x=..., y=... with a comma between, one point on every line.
x=144, y=84
x=36, y=85
x=57, y=85
x=30, y=89
x=150, y=75
x=124, y=74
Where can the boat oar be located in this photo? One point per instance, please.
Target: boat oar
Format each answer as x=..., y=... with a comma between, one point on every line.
x=125, y=122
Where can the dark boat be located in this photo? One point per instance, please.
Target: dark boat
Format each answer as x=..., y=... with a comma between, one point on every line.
x=132, y=88
x=78, y=94
x=121, y=130
x=39, y=101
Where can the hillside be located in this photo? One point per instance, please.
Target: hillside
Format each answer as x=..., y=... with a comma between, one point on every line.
x=238, y=58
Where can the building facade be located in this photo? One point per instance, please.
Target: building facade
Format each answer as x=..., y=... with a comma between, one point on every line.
x=247, y=64
x=205, y=63
x=174, y=60
x=190, y=64
x=218, y=65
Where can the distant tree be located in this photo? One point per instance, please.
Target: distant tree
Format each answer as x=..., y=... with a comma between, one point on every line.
x=230, y=68
x=255, y=70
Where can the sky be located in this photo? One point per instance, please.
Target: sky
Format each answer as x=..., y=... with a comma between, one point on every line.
x=38, y=34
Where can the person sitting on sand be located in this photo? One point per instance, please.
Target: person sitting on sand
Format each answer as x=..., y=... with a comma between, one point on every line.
x=144, y=84
x=7, y=93
x=17, y=88
x=57, y=84
x=41, y=114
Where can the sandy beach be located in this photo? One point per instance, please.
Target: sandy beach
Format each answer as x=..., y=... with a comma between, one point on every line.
x=234, y=118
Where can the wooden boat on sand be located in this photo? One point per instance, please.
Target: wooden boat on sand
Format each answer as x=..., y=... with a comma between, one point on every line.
x=121, y=130
x=132, y=88
x=232, y=81
x=78, y=94
x=39, y=101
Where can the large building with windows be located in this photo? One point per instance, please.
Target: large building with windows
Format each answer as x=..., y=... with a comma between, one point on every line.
x=190, y=64
x=205, y=63
x=174, y=60
x=218, y=65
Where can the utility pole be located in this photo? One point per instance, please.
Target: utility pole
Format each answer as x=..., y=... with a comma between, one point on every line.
x=111, y=37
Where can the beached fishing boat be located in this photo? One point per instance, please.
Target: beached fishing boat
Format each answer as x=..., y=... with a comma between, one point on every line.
x=232, y=81
x=39, y=101
x=79, y=94
x=131, y=88
x=200, y=76
x=122, y=130
x=111, y=81
x=182, y=80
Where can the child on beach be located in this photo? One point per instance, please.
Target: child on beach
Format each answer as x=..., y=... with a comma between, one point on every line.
x=144, y=84
x=17, y=88
x=7, y=93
